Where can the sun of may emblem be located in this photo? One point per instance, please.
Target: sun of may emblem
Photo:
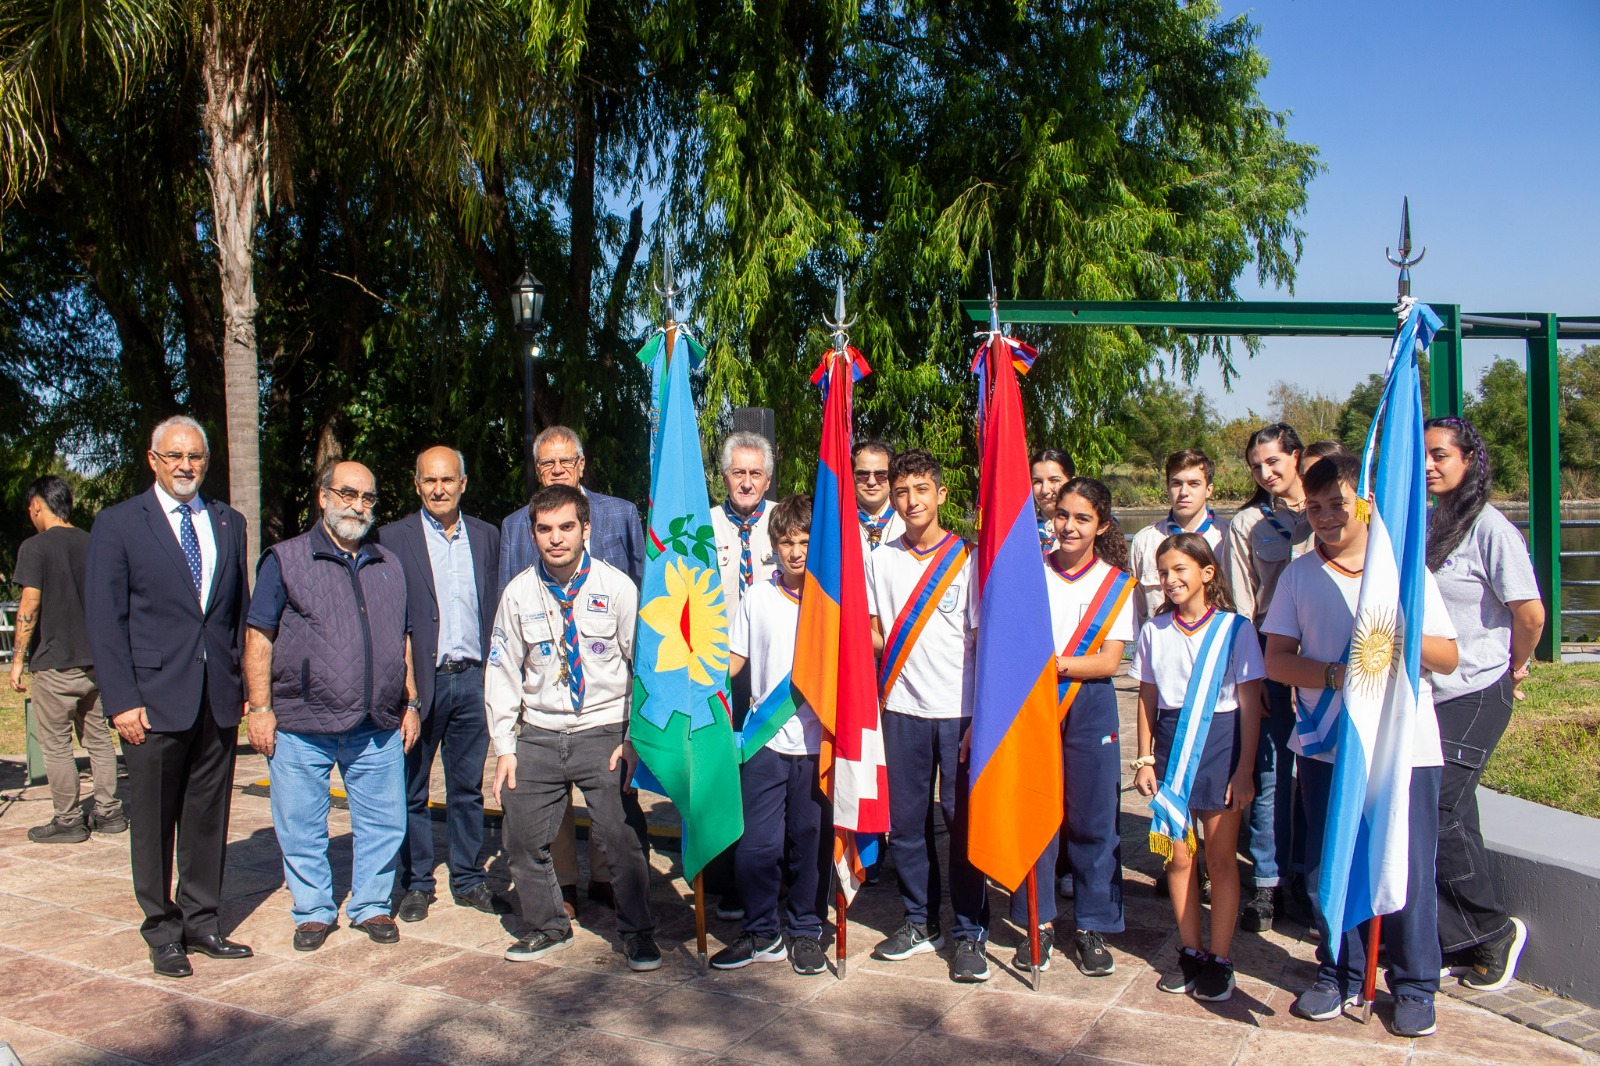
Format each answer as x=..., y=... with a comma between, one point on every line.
x=692, y=622
x=1373, y=651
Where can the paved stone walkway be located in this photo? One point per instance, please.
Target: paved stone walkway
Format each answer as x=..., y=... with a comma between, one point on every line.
x=76, y=987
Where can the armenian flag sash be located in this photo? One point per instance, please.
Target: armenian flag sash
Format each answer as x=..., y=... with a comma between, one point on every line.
x=949, y=556
x=1108, y=600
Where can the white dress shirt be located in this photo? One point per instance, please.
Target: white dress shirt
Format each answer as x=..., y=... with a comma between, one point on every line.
x=202, y=532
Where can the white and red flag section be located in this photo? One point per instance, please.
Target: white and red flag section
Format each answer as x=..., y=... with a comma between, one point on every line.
x=833, y=660
x=1367, y=830
x=1016, y=739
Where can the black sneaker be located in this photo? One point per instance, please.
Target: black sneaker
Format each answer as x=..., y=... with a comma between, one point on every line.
x=641, y=951
x=1183, y=979
x=1024, y=956
x=59, y=830
x=1495, y=962
x=729, y=910
x=748, y=948
x=1413, y=1017
x=536, y=945
x=806, y=956
x=970, y=964
x=910, y=939
x=1205, y=887
x=1090, y=953
x=1064, y=886
x=1258, y=911
x=1215, y=983
x=115, y=822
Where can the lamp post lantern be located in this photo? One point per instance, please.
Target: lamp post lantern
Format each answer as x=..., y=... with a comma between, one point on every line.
x=527, y=314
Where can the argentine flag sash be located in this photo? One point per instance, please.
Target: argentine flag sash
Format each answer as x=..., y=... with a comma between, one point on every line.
x=1314, y=726
x=1170, y=822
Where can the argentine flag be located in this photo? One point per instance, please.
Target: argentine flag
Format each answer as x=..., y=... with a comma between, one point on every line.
x=1367, y=831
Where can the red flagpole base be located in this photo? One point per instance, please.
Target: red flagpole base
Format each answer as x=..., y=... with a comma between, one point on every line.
x=1369, y=984
x=1031, y=886
x=700, y=917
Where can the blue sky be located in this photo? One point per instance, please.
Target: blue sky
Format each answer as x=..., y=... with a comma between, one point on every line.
x=1486, y=115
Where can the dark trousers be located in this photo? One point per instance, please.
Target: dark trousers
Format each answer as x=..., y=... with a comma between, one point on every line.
x=924, y=753
x=180, y=786
x=1412, y=932
x=549, y=763
x=1469, y=728
x=1276, y=826
x=456, y=728
x=788, y=840
x=1091, y=759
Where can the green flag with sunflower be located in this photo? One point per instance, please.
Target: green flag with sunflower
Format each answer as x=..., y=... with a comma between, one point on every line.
x=681, y=725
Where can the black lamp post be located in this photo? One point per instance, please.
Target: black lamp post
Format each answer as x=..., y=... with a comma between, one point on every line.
x=527, y=313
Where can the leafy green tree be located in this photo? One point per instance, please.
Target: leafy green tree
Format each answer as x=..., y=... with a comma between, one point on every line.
x=1500, y=413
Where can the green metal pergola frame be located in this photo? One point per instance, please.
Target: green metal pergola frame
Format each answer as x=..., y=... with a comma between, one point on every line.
x=1541, y=331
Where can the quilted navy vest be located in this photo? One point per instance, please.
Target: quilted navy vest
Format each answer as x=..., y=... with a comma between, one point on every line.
x=339, y=656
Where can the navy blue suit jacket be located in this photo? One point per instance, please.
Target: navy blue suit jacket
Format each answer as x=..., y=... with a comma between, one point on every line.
x=404, y=538
x=153, y=645
x=616, y=536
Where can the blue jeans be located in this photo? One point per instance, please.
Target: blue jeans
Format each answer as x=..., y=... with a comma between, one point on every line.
x=1274, y=818
x=787, y=841
x=455, y=727
x=372, y=763
x=1412, y=932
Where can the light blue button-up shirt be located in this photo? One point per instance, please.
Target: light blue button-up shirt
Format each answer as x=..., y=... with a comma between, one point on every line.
x=456, y=589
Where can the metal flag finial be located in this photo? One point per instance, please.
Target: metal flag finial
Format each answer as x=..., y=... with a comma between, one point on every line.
x=839, y=324
x=994, y=297
x=1404, y=260
x=668, y=287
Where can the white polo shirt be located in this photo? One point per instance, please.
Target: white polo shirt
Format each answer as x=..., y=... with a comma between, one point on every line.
x=1149, y=596
x=1070, y=596
x=936, y=681
x=763, y=632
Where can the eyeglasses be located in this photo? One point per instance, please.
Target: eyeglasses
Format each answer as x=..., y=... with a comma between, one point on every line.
x=349, y=496
x=867, y=477
x=177, y=457
x=565, y=462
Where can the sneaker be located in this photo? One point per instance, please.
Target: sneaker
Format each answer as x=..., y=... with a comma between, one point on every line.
x=806, y=956
x=1090, y=953
x=1215, y=983
x=1413, y=1016
x=729, y=910
x=1321, y=1002
x=59, y=830
x=642, y=953
x=115, y=822
x=1183, y=979
x=1495, y=962
x=1257, y=914
x=970, y=964
x=748, y=948
x=1205, y=887
x=1456, y=963
x=1024, y=957
x=910, y=939
x=1064, y=887
x=536, y=945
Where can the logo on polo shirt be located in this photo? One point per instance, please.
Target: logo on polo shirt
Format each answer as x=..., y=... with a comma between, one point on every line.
x=948, y=603
x=598, y=602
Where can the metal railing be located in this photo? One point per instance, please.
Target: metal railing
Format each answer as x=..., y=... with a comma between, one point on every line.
x=1567, y=582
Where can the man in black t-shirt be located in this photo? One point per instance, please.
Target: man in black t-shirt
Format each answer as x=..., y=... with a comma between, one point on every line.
x=50, y=569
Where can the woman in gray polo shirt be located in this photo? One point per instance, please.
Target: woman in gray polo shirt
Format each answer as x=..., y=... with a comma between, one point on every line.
x=1486, y=578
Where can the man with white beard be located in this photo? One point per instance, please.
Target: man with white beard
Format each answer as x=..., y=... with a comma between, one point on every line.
x=327, y=666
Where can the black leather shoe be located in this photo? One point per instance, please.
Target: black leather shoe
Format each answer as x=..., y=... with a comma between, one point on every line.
x=170, y=961
x=217, y=946
x=414, y=905
x=381, y=928
x=481, y=897
x=310, y=935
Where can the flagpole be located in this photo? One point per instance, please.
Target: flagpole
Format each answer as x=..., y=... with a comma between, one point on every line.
x=842, y=909
x=1032, y=888
x=1369, y=984
x=700, y=917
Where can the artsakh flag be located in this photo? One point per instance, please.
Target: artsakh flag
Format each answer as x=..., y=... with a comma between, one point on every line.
x=680, y=722
x=1016, y=784
x=833, y=661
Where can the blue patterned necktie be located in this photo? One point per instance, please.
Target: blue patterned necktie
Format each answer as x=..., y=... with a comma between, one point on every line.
x=189, y=542
x=744, y=524
x=566, y=597
x=874, y=525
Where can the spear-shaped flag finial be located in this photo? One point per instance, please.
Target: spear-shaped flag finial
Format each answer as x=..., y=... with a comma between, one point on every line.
x=668, y=287
x=1404, y=260
x=994, y=298
x=839, y=324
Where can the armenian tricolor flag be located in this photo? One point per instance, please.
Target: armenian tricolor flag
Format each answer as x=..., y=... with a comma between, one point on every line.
x=833, y=667
x=1016, y=740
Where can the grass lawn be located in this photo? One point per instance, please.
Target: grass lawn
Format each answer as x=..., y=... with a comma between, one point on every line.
x=1551, y=752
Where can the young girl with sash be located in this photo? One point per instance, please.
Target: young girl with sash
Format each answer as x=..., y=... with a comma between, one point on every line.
x=1197, y=664
x=1051, y=469
x=1092, y=622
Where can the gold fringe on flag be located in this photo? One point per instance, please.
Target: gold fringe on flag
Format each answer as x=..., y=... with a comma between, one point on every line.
x=1164, y=846
x=1363, y=511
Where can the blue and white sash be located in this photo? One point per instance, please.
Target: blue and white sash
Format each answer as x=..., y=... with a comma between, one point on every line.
x=1314, y=727
x=1170, y=822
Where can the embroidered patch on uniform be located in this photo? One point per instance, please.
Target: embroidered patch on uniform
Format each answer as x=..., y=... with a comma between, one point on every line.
x=498, y=635
x=494, y=655
x=1112, y=739
x=948, y=603
x=598, y=647
x=544, y=647
x=598, y=602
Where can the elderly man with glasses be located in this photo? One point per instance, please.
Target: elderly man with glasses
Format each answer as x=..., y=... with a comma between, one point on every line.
x=327, y=662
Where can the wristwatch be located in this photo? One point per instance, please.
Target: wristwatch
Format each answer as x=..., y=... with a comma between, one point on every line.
x=413, y=705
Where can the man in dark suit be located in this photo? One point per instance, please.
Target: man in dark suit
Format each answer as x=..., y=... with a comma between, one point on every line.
x=451, y=561
x=165, y=607
x=616, y=537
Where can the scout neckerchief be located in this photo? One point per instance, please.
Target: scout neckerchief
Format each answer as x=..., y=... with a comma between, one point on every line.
x=767, y=718
x=1314, y=725
x=1272, y=520
x=1107, y=603
x=744, y=524
x=1170, y=824
x=948, y=556
x=1172, y=527
x=874, y=525
x=1047, y=535
x=571, y=661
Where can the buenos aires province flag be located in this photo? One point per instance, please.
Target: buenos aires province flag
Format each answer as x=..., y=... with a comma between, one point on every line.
x=1366, y=833
x=680, y=722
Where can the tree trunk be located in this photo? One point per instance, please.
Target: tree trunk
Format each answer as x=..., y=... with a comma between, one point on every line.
x=232, y=119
